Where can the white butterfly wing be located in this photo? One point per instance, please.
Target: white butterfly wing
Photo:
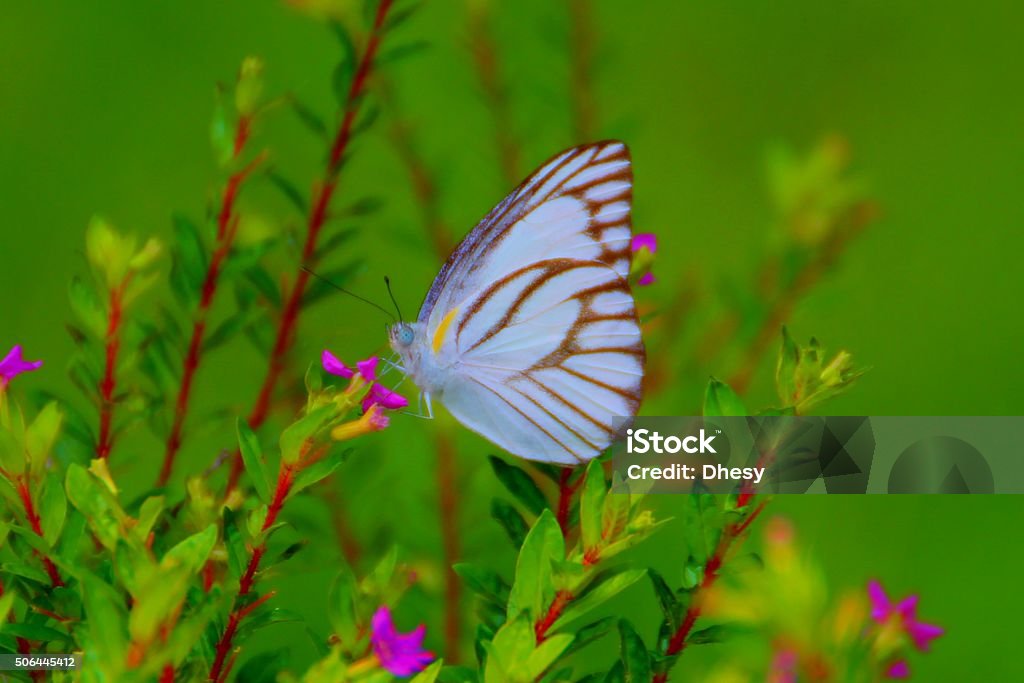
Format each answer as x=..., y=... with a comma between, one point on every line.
x=535, y=315
x=577, y=206
x=546, y=378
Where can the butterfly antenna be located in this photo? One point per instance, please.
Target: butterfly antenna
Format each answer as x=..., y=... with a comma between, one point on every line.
x=352, y=294
x=387, y=283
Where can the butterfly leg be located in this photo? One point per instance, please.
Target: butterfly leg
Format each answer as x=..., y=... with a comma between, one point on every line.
x=419, y=408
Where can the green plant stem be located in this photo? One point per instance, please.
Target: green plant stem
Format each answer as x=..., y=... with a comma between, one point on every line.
x=317, y=218
x=227, y=227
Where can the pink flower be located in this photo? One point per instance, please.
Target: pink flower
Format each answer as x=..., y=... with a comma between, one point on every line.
x=367, y=369
x=645, y=240
x=14, y=364
x=646, y=243
x=882, y=610
x=402, y=654
x=899, y=669
x=784, y=667
x=384, y=397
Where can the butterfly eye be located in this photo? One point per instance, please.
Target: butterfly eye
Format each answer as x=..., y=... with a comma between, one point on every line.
x=405, y=335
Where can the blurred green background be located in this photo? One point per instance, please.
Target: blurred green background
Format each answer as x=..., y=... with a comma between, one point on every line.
x=105, y=107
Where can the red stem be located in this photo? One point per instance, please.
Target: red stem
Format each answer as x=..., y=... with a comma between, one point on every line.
x=227, y=224
x=317, y=218
x=566, y=490
x=485, y=59
x=581, y=63
x=167, y=674
x=285, y=479
x=677, y=643
x=108, y=384
x=558, y=605
x=37, y=528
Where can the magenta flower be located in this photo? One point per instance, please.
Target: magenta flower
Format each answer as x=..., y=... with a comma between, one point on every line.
x=14, y=364
x=384, y=397
x=882, y=610
x=367, y=369
x=647, y=242
x=400, y=653
x=899, y=669
x=784, y=667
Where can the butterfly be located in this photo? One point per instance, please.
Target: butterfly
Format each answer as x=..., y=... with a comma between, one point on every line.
x=529, y=334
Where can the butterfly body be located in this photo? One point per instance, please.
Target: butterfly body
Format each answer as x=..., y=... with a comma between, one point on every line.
x=529, y=334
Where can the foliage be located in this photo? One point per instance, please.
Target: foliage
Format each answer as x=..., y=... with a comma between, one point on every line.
x=171, y=581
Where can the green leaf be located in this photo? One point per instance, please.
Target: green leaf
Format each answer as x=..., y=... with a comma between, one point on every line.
x=592, y=632
x=616, y=674
x=25, y=571
x=341, y=607
x=605, y=586
x=510, y=520
x=288, y=189
x=546, y=654
x=252, y=456
x=36, y=632
x=534, y=588
x=519, y=485
x=428, y=675
x=149, y=512
x=259, y=278
x=484, y=582
x=400, y=52
x=704, y=527
x=40, y=435
x=635, y=659
x=190, y=250
x=508, y=654
x=223, y=333
x=302, y=429
x=86, y=305
x=88, y=495
x=267, y=616
x=320, y=470
x=721, y=400
x=265, y=666
x=712, y=634
x=238, y=556
x=192, y=552
x=615, y=515
x=592, y=500
x=105, y=620
x=53, y=508
x=785, y=369
x=667, y=599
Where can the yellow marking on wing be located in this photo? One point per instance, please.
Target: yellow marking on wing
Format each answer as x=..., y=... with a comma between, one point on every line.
x=438, y=339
